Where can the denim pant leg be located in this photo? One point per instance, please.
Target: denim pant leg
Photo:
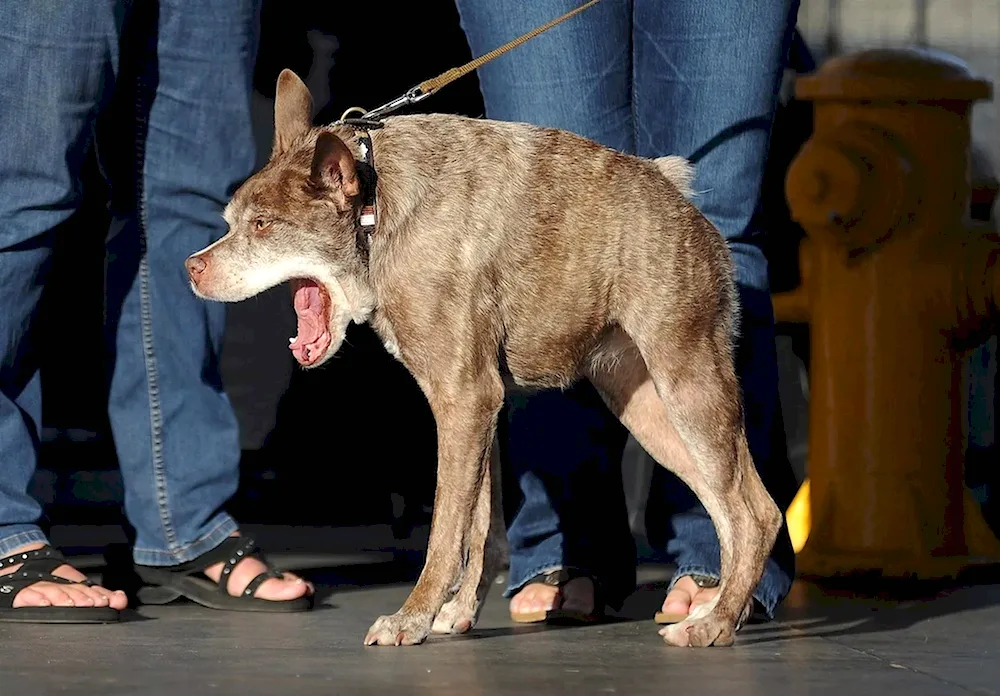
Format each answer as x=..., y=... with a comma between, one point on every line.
x=565, y=448
x=706, y=78
x=57, y=63
x=175, y=430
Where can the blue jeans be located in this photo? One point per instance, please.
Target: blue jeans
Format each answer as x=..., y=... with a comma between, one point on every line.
x=698, y=78
x=174, y=80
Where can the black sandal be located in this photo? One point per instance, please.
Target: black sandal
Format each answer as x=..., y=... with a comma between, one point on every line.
x=37, y=566
x=167, y=583
x=559, y=578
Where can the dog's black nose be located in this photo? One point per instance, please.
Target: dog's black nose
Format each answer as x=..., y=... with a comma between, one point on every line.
x=195, y=266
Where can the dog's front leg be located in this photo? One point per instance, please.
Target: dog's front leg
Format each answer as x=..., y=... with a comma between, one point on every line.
x=466, y=415
x=485, y=555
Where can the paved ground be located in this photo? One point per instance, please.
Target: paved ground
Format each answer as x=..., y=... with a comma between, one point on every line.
x=821, y=644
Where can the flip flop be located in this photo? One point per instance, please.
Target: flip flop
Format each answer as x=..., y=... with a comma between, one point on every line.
x=703, y=581
x=37, y=566
x=164, y=584
x=560, y=578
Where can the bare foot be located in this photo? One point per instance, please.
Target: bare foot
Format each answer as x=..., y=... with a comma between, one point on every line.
x=288, y=588
x=51, y=594
x=686, y=596
x=576, y=595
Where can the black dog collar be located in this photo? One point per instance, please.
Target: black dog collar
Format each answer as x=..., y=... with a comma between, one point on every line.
x=368, y=219
x=369, y=181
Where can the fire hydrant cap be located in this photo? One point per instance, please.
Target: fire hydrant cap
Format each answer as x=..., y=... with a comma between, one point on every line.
x=900, y=74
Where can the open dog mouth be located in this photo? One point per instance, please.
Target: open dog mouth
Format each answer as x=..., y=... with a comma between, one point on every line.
x=312, y=308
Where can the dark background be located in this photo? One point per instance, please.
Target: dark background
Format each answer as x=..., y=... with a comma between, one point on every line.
x=330, y=446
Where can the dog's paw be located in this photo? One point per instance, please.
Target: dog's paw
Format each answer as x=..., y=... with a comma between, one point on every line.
x=398, y=629
x=700, y=633
x=456, y=616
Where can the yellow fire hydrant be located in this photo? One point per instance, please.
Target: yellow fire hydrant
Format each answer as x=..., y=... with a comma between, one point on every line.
x=897, y=283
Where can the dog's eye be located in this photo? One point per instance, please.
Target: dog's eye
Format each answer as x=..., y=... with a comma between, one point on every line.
x=260, y=224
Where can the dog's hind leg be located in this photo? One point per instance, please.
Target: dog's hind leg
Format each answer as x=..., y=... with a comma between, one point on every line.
x=684, y=409
x=486, y=552
x=465, y=404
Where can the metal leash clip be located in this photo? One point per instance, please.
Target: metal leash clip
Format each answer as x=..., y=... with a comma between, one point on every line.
x=413, y=96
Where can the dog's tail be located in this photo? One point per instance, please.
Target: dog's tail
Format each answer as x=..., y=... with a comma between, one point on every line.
x=678, y=171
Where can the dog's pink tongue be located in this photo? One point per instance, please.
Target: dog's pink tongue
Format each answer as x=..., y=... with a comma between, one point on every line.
x=309, y=310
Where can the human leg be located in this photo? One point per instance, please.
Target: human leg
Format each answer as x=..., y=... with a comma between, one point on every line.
x=57, y=64
x=186, y=103
x=706, y=78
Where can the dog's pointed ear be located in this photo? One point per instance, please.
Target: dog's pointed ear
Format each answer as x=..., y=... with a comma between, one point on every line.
x=334, y=167
x=293, y=106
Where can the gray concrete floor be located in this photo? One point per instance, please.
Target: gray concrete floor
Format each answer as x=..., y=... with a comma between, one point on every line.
x=821, y=644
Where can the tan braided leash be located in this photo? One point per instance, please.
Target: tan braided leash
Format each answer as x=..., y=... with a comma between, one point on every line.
x=445, y=78
x=429, y=87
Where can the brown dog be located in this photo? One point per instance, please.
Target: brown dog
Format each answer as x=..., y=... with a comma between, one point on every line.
x=502, y=248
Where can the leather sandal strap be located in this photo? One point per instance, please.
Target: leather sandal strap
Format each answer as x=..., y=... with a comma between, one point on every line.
x=244, y=548
x=704, y=581
x=559, y=577
x=260, y=579
x=35, y=566
x=235, y=552
x=45, y=559
x=220, y=554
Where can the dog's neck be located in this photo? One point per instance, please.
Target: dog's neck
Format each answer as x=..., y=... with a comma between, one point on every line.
x=396, y=187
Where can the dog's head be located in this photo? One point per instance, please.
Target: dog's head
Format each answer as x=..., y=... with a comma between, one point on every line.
x=295, y=221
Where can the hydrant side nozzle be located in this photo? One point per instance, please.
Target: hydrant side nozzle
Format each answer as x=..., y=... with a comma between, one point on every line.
x=795, y=306
x=792, y=306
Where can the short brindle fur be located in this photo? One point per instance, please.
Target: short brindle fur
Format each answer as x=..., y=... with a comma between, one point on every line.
x=508, y=244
